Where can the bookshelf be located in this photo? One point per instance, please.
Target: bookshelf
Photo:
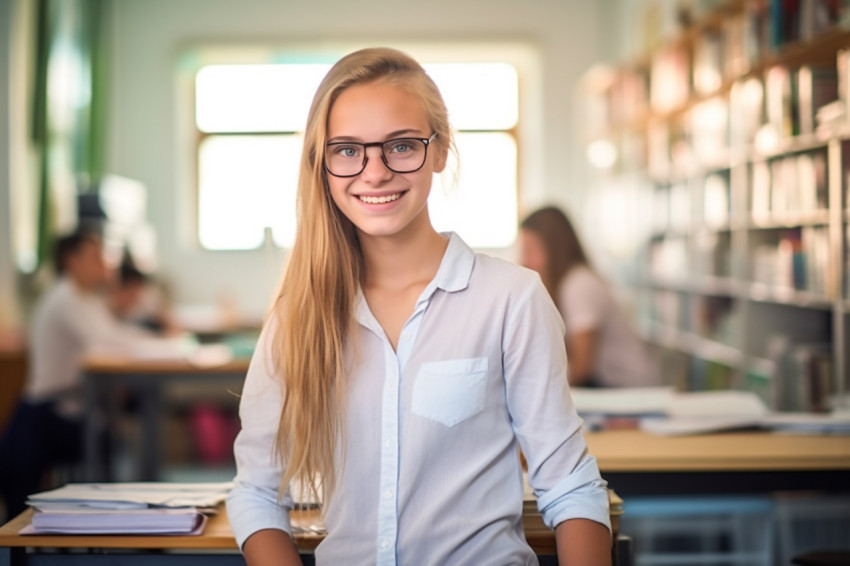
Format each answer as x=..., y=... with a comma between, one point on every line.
x=732, y=138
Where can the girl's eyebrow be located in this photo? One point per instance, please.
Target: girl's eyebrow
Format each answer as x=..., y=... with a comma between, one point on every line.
x=392, y=135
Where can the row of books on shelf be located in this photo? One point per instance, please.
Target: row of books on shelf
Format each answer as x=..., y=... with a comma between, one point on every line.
x=790, y=375
x=798, y=260
x=794, y=259
x=759, y=30
x=718, y=55
x=800, y=375
x=759, y=113
x=673, y=207
x=783, y=191
x=787, y=187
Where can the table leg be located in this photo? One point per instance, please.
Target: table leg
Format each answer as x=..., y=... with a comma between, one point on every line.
x=150, y=426
x=91, y=452
x=12, y=556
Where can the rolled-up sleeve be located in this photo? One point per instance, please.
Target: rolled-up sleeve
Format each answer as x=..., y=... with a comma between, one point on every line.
x=253, y=504
x=564, y=476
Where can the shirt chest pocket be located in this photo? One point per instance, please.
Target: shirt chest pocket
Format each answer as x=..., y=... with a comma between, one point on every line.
x=450, y=391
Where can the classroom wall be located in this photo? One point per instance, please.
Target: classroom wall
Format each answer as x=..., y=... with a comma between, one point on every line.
x=569, y=37
x=143, y=144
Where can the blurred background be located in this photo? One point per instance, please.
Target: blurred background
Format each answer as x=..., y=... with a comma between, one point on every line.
x=700, y=147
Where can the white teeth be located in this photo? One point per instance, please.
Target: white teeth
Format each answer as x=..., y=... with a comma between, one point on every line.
x=379, y=200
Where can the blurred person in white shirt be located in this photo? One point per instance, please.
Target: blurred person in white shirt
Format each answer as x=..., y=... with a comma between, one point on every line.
x=71, y=321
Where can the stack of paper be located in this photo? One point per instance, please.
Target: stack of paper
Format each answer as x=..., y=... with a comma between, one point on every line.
x=809, y=423
x=127, y=521
x=622, y=401
x=709, y=411
x=125, y=508
x=663, y=411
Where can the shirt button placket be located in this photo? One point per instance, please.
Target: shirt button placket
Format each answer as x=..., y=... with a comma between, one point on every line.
x=387, y=511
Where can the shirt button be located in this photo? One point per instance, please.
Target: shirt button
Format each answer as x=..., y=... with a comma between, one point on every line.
x=385, y=544
x=388, y=493
x=405, y=336
x=389, y=443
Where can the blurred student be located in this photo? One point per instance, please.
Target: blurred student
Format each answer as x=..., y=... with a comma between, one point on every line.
x=135, y=298
x=71, y=321
x=602, y=348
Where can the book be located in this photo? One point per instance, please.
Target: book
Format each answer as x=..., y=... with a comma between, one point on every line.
x=778, y=101
x=622, y=401
x=716, y=201
x=708, y=63
x=708, y=411
x=816, y=87
x=760, y=192
x=182, y=521
x=125, y=508
x=133, y=495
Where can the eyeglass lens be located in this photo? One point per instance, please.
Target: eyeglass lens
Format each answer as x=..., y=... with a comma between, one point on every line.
x=402, y=155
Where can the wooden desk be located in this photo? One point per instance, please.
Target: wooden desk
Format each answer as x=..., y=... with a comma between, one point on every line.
x=638, y=463
x=216, y=546
x=146, y=378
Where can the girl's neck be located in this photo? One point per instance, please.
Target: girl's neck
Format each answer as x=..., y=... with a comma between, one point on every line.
x=402, y=260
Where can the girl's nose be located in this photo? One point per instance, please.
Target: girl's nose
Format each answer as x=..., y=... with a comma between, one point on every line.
x=375, y=170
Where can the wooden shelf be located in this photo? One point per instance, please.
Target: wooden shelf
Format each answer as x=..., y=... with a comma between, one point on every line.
x=780, y=220
x=818, y=51
x=762, y=293
x=787, y=172
x=703, y=285
x=695, y=345
x=736, y=289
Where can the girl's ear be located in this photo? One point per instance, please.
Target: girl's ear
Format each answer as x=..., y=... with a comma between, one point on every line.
x=441, y=156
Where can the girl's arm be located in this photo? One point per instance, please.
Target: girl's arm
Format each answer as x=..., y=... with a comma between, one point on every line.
x=584, y=542
x=581, y=356
x=270, y=547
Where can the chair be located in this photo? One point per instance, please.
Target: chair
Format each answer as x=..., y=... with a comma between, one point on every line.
x=732, y=530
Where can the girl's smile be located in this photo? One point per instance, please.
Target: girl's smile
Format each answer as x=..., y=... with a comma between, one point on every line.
x=379, y=201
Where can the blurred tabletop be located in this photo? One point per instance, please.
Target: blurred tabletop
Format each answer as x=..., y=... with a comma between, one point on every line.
x=636, y=463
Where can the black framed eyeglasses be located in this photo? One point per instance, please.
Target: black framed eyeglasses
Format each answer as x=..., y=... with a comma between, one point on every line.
x=400, y=155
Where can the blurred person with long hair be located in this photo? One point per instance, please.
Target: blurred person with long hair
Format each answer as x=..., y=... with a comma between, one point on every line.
x=602, y=348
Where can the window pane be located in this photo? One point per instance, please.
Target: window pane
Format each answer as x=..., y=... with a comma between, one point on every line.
x=255, y=98
x=480, y=96
x=246, y=184
x=483, y=207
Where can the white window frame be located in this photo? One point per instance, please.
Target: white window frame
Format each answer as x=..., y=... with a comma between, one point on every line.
x=523, y=57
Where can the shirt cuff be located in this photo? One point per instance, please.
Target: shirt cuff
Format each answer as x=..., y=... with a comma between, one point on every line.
x=250, y=509
x=581, y=495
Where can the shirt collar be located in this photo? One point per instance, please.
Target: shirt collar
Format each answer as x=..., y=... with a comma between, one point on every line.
x=456, y=267
x=452, y=276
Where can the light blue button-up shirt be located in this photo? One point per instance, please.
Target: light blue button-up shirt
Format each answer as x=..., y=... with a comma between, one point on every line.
x=428, y=471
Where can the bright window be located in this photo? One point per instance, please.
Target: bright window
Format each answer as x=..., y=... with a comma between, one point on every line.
x=248, y=119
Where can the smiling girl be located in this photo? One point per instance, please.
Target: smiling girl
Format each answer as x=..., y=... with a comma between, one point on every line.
x=399, y=372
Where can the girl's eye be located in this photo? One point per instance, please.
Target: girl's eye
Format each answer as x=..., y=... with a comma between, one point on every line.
x=347, y=151
x=400, y=147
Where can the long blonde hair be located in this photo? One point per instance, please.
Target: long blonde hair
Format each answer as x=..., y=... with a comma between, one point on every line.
x=314, y=308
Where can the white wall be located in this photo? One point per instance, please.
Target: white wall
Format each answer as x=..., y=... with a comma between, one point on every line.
x=150, y=34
